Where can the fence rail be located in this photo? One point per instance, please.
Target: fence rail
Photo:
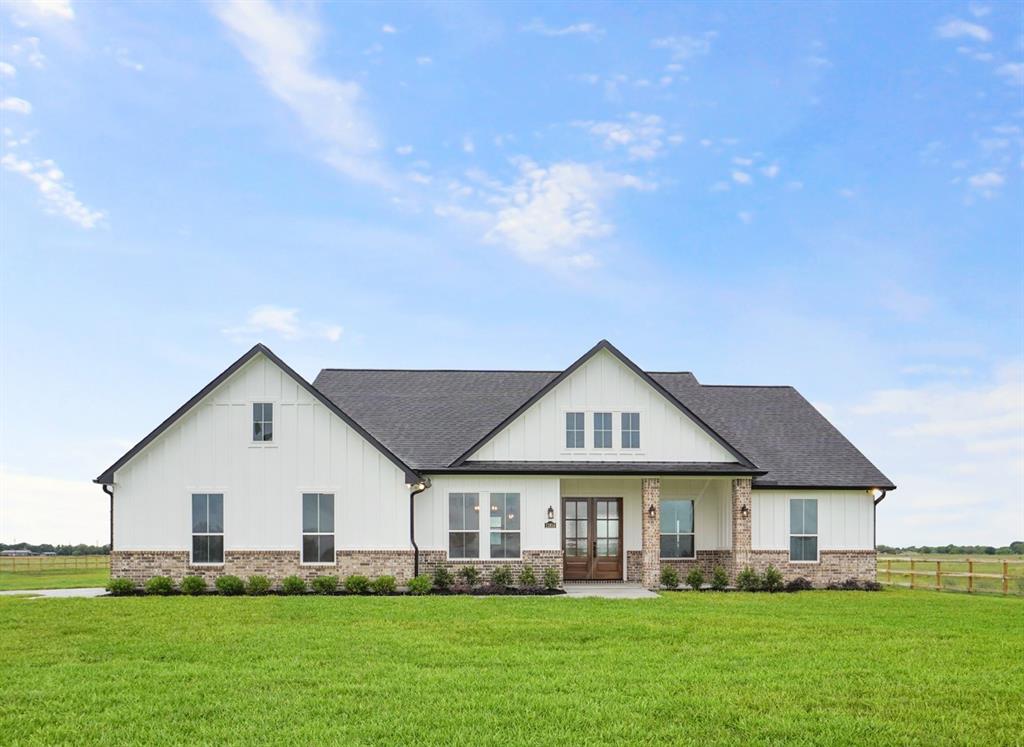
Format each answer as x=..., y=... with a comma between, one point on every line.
x=36, y=563
x=955, y=574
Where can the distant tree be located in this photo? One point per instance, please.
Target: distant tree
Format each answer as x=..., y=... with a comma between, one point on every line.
x=1017, y=548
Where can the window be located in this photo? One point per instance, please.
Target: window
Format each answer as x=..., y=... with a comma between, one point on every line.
x=602, y=430
x=574, y=430
x=630, y=430
x=803, y=529
x=677, y=529
x=207, y=528
x=317, y=528
x=262, y=421
x=464, y=525
x=504, y=525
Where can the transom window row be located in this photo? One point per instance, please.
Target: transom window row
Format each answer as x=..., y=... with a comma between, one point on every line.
x=602, y=432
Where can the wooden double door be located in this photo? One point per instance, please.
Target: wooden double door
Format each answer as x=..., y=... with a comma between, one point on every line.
x=592, y=538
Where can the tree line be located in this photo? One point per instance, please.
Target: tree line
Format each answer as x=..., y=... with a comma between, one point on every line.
x=59, y=549
x=1014, y=548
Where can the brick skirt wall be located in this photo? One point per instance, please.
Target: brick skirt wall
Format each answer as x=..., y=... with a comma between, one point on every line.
x=834, y=566
x=706, y=560
x=540, y=560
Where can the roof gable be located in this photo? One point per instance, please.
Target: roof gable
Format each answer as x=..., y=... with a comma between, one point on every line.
x=107, y=477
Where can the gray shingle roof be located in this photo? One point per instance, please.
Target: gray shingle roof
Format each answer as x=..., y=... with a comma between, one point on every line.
x=430, y=418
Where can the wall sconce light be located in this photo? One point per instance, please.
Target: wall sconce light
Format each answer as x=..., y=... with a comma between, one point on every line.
x=550, y=523
x=652, y=511
x=744, y=511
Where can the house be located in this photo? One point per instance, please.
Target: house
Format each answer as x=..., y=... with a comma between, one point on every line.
x=601, y=471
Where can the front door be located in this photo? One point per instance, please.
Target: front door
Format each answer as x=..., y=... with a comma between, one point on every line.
x=592, y=538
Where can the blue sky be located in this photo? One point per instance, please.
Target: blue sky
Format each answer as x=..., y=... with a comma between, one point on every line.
x=823, y=195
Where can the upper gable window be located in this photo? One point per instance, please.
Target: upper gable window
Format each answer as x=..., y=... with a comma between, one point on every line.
x=602, y=430
x=574, y=430
x=630, y=430
x=262, y=421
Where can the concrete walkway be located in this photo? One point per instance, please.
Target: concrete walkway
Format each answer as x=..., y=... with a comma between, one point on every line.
x=54, y=593
x=609, y=591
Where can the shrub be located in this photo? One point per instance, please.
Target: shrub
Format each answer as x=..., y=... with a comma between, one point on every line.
x=161, y=585
x=502, y=576
x=193, y=585
x=469, y=575
x=420, y=585
x=230, y=586
x=356, y=584
x=121, y=587
x=293, y=585
x=772, y=580
x=443, y=578
x=798, y=584
x=527, y=578
x=384, y=585
x=669, y=577
x=748, y=580
x=695, y=579
x=551, y=579
x=871, y=586
x=850, y=584
x=719, y=578
x=257, y=586
x=325, y=584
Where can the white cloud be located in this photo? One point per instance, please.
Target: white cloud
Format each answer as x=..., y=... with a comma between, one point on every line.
x=741, y=177
x=16, y=105
x=771, y=171
x=27, y=49
x=8, y=70
x=403, y=150
x=27, y=12
x=59, y=198
x=124, y=59
x=39, y=509
x=1013, y=72
x=280, y=46
x=743, y=161
x=686, y=47
x=847, y=193
x=467, y=144
x=934, y=369
x=584, y=28
x=957, y=28
x=284, y=323
x=424, y=60
x=745, y=216
x=978, y=10
x=639, y=134
x=987, y=184
x=387, y=28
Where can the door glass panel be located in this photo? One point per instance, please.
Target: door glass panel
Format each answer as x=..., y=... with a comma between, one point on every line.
x=613, y=510
x=581, y=509
x=602, y=509
x=570, y=509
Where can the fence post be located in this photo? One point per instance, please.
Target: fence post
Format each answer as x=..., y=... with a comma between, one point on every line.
x=1006, y=577
x=970, y=575
x=888, y=571
x=912, y=576
x=938, y=575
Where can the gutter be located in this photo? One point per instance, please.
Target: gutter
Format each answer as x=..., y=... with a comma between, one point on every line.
x=874, y=519
x=415, y=489
x=109, y=490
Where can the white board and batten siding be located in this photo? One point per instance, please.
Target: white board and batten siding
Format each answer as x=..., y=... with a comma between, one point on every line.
x=846, y=519
x=603, y=384
x=210, y=450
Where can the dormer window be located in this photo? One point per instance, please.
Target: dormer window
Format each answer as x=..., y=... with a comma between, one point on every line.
x=602, y=430
x=262, y=421
x=574, y=430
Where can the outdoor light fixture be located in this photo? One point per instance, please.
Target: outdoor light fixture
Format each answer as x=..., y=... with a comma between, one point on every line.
x=744, y=511
x=550, y=523
x=651, y=511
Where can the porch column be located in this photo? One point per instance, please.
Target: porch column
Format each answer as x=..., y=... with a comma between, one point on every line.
x=650, y=497
x=740, y=523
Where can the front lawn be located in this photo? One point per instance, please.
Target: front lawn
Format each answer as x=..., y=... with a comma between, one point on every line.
x=824, y=667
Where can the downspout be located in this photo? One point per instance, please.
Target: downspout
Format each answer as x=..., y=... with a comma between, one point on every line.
x=109, y=490
x=874, y=520
x=416, y=489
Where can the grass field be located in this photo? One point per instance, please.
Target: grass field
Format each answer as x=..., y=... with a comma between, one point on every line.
x=817, y=667
x=955, y=564
x=61, y=572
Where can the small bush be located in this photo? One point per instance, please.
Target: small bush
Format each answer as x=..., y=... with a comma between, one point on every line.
x=161, y=585
x=527, y=578
x=502, y=576
x=798, y=584
x=230, y=586
x=552, y=580
x=121, y=587
x=469, y=575
x=772, y=580
x=850, y=584
x=719, y=579
x=669, y=577
x=748, y=580
x=325, y=584
x=421, y=585
x=384, y=585
x=356, y=584
x=443, y=578
x=193, y=585
x=871, y=586
x=257, y=586
x=695, y=579
x=293, y=585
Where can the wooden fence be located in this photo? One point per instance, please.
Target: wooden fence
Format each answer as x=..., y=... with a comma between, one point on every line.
x=990, y=574
x=36, y=563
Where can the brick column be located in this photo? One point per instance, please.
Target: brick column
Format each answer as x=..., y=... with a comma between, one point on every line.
x=741, y=525
x=650, y=495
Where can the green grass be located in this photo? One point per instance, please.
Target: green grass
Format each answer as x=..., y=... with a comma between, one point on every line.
x=950, y=564
x=56, y=578
x=818, y=667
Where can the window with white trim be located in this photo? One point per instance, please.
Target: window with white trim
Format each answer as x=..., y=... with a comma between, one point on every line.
x=207, y=527
x=463, y=525
x=574, y=436
x=317, y=528
x=504, y=525
x=630, y=430
x=602, y=430
x=262, y=421
x=677, y=535
x=803, y=529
